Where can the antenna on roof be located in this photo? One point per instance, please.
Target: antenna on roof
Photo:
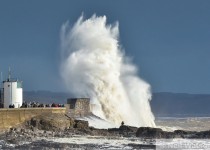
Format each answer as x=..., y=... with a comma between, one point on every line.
x=1, y=77
x=1, y=80
x=9, y=74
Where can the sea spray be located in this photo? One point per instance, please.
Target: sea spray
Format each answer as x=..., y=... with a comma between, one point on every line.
x=94, y=66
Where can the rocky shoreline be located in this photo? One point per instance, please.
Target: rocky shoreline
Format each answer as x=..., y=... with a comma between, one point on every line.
x=38, y=128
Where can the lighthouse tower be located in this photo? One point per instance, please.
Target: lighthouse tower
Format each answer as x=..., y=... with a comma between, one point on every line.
x=12, y=92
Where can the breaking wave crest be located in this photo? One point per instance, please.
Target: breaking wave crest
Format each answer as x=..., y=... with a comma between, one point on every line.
x=93, y=65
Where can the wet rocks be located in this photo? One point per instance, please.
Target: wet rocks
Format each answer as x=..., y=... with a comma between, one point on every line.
x=123, y=130
x=201, y=135
x=128, y=130
x=157, y=133
x=147, y=132
x=50, y=122
x=81, y=124
x=60, y=125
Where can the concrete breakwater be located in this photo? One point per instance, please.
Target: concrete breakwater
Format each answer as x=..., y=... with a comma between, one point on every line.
x=14, y=117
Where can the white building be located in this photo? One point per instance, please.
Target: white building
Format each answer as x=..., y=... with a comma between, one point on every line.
x=12, y=93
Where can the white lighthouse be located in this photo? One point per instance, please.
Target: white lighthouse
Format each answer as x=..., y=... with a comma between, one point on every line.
x=12, y=92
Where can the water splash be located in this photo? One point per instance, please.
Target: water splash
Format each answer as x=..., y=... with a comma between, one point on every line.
x=93, y=65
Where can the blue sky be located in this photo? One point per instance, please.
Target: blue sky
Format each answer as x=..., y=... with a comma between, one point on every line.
x=169, y=41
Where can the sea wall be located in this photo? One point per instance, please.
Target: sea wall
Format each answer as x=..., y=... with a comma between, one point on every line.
x=15, y=116
x=78, y=107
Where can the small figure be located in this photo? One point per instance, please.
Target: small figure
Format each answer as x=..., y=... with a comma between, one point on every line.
x=122, y=123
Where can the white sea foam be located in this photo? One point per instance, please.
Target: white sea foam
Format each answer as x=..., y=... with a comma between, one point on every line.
x=93, y=65
x=98, y=123
x=98, y=141
x=187, y=123
x=182, y=144
x=126, y=143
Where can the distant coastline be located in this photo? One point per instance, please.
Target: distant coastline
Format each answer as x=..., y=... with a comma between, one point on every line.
x=163, y=104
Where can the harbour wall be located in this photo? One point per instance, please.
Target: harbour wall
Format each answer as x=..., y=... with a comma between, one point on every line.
x=15, y=116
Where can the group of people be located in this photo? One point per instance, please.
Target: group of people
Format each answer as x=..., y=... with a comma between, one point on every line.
x=31, y=104
x=12, y=106
x=36, y=104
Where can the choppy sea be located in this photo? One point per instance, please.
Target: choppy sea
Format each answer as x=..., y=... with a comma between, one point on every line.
x=99, y=142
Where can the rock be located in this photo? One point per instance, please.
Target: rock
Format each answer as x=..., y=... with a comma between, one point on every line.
x=34, y=129
x=201, y=135
x=147, y=132
x=128, y=128
x=99, y=132
x=81, y=124
x=182, y=134
x=50, y=122
x=123, y=130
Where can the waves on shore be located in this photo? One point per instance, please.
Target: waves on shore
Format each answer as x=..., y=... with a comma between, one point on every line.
x=165, y=123
x=98, y=122
x=95, y=66
x=97, y=142
x=184, y=123
x=68, y=140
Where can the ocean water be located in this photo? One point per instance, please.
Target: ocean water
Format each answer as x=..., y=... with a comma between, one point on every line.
x=100, y=142
x=165, y=123
x=183, y=123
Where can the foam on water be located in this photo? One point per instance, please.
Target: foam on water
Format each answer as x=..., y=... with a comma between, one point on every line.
x=185, y=123
x=98, y=122
x=98, y=141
